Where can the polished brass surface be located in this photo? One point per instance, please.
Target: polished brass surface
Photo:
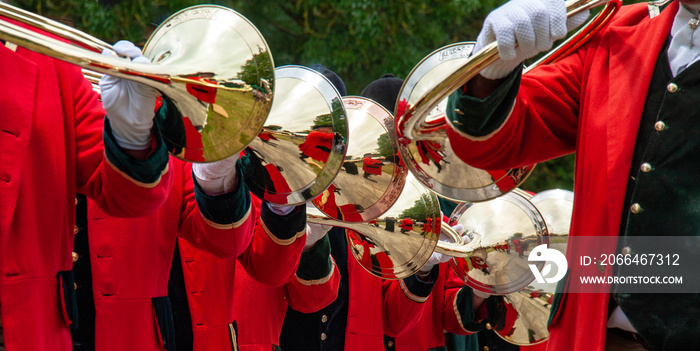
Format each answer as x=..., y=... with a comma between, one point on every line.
x=371, y=178
x=525, y=313
x=522, y=316
x=392, y=222
x=432, y=161
x=502, y=231
x=301, y=147
x=399, y=242
x=210, y=64
x=420, y=114
x=556, y=207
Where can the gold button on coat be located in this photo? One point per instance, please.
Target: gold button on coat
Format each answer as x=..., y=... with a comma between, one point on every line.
x=646, y=167
x=672, y=87
x=626, y=250
x=75, y=229
x=659, y=126
x=323, y=336
x=636, y=208
x=75, y=256
x=324, y=319
x=390, y=343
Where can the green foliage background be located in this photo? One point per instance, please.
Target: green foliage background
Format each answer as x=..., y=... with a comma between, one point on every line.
x=358, y=39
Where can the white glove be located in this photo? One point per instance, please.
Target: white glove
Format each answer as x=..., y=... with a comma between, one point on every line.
x=522, y=29
x=314, y=233
x=436, y=257
x=481, y=294
x=281, y=210
x=217, y=178
x=130, y=106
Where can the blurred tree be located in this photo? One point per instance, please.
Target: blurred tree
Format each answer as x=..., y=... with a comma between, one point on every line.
x=384, y=147
x=336, y=118
x=417, y=211
x=363, y=39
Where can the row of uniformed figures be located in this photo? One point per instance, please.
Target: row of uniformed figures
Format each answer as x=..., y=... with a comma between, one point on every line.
x=259, y=278
x=627, y=114
x=158, y=252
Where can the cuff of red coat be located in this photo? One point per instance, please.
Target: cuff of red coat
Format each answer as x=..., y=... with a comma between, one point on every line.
x=464, y=309
x=225, y=209
x=284, y=227
x=146, y=171
x=418, y=289
x=316, y=263
x=479, y=118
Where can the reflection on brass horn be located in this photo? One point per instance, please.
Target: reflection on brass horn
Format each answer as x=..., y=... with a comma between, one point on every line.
x=399, y=242
x=210, y=63
x=392, y=222
x=421, y=121
x=371, y=178
x=301, y=147
x=521, y=317
x=502, y=233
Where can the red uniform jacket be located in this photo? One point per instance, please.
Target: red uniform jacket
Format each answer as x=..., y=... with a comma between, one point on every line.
x=52, y=147
x=372, y=166
x=370, y=317
x=131, y=260
x=317, y=145
x=213, y=284
x=260, y=308
x=442, y=312
x=593, y=103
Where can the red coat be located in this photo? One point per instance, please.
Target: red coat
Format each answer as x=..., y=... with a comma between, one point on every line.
x=375, y=307
x=131, y=260
x=440, y=314
x=372, y=166
x=50, y=148
x=214, y=287
x=370, y=317
x=260, y=308
x=317, y=145
x=593, y=101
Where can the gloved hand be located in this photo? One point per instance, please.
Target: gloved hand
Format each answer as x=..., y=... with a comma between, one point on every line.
x=481, y=294
x=281, y=210
x=217, y=178
x=522, y=29
x=436, y=257
x=314, y=233
x=130, y=106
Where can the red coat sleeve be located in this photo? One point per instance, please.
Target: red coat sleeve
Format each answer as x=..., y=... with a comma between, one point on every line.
x=542, y=124
x=224, y=240
x=116, y=192
x=458, y=313
x=273, y=255
x=402, y=307
x=308, y=296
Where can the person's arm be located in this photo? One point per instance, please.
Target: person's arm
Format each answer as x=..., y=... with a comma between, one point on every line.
x=121, y=185
x=521, y=29
x=316, y=282
x=404, y=300
x=219, y=224
x=273, y=255
x=463, y=309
